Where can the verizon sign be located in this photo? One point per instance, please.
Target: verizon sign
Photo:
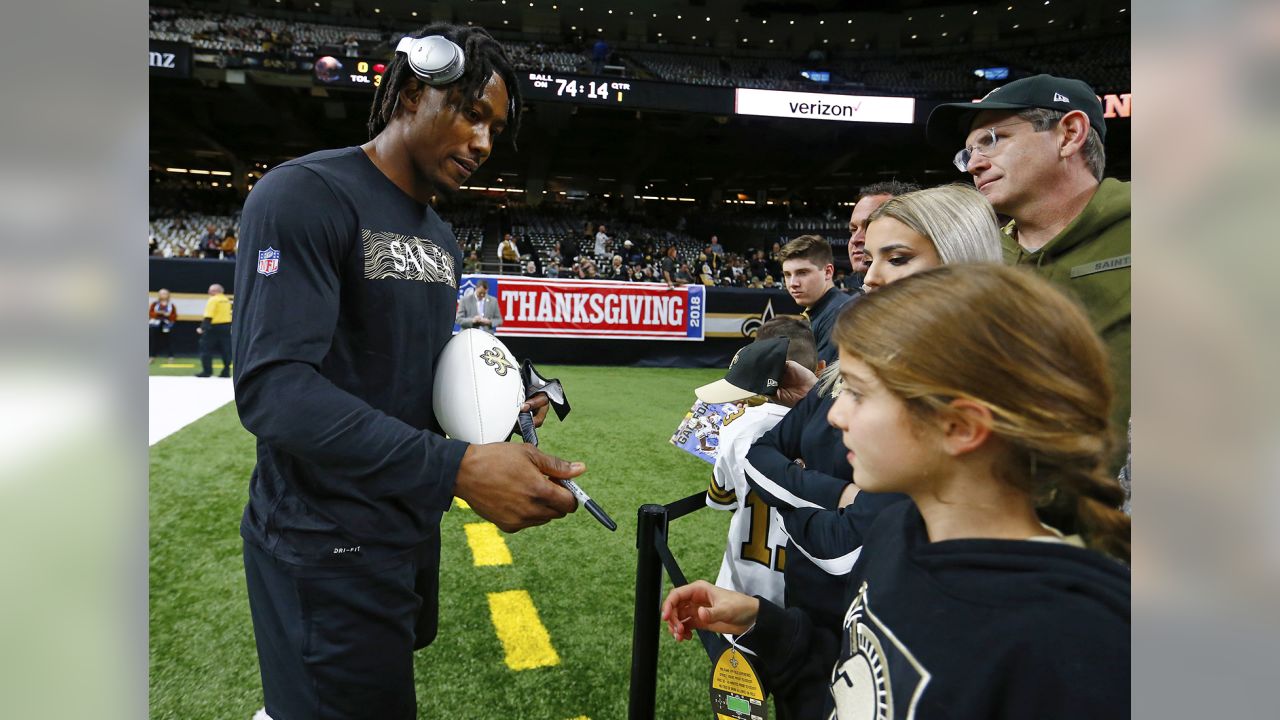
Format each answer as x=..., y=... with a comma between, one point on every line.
x=824, y=106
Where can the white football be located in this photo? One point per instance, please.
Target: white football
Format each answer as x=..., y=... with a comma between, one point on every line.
x=478, y=392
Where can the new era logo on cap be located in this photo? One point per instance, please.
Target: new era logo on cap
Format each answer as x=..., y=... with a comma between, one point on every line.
x=1059, y=97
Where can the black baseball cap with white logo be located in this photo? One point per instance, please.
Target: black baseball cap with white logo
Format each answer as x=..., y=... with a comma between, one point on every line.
x=949, y=124
x=756, y=370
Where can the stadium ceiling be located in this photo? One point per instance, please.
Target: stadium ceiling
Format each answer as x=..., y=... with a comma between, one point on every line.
x=565, y=147
x=700, y=23
x=561, y=147
x=569, y=148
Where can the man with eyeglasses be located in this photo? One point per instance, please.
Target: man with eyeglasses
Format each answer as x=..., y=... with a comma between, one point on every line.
x=1034, y=149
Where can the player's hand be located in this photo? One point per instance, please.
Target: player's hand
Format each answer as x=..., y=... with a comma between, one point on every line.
x=703, y=606
x=537, y=405
x=797, y=380
x=508, y=485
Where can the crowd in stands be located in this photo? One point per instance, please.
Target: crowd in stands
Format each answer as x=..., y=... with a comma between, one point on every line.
x=292, y=45
x=300, y=42
x=541, y=57
x=552, y=242
x=193, y=235
x=185, y=210
x=1105, y=61
x=554, y=245
x=243, y=33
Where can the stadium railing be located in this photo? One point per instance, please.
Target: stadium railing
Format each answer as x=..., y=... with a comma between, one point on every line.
x=653, y=556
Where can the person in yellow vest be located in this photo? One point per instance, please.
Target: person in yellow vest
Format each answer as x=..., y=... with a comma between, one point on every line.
x=215, y=332
x=229, y=245
x=508, y=253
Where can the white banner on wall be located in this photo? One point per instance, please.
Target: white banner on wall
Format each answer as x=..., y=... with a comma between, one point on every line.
x=824, y=106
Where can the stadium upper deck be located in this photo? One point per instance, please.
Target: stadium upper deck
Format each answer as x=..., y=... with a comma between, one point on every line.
x=885, y=63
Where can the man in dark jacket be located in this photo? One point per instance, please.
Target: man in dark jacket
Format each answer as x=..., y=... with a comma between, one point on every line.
x=346, y=285
x=807, y=270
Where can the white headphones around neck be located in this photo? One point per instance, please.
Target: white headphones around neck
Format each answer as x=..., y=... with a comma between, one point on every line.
x=435, y=59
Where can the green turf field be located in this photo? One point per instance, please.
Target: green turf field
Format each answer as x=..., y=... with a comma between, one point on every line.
x=580, y=577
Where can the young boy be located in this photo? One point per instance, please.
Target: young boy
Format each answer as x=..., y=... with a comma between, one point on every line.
x=807, y=270
x=754, y=558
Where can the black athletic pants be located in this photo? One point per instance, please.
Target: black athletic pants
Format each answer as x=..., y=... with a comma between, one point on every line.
x=337, y=643
x=216, y=338
x=161, y=343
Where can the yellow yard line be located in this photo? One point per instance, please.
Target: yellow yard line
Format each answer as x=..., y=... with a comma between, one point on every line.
x=177, y=365
x=524, y=639
x=487, y=546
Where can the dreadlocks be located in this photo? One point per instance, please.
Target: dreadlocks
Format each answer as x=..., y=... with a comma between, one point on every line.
x=484, y=57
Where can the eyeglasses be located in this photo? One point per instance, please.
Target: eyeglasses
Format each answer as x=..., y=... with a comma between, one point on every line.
x=986, y=146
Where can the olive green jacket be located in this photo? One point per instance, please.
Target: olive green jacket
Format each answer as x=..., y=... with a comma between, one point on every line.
x=1091, y=259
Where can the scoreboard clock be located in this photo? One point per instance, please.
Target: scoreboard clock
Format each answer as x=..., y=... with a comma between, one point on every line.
x=625, y=93
x=332, y=71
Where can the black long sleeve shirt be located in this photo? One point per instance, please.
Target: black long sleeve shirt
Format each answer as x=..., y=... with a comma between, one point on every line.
x=824, y=543
x=346, y=293
x=822, y=318
x=1001, y=629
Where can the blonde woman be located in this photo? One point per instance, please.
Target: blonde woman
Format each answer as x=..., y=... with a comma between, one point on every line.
x=927, y=228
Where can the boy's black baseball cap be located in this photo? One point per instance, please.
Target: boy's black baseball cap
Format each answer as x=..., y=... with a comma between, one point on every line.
x=756, y=370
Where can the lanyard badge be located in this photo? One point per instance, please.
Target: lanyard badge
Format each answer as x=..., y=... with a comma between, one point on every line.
x=736, y=692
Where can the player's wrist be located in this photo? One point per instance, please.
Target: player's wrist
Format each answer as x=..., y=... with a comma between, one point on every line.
x=469, y=469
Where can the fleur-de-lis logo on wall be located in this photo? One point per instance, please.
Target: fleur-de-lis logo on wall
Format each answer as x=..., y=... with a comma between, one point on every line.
x=497, y=359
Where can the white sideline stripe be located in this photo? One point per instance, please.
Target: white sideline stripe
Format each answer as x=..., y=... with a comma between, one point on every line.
x=175, y=402
x=777, y=490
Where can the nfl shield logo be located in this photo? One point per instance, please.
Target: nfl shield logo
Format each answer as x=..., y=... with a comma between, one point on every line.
x=268, y=261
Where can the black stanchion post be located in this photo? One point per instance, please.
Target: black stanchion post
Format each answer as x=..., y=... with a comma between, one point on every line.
x=644, y=635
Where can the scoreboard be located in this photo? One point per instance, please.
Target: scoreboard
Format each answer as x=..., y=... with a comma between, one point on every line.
x=332, y=71
x=633, y=94
x=626, y=93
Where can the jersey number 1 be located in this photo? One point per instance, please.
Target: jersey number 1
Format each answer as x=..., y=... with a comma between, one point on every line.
x=756, y=548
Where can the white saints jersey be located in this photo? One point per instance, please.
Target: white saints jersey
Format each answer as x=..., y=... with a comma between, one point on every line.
x=753, y=557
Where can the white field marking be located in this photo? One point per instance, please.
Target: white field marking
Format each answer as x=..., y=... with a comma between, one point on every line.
x=176, y=402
